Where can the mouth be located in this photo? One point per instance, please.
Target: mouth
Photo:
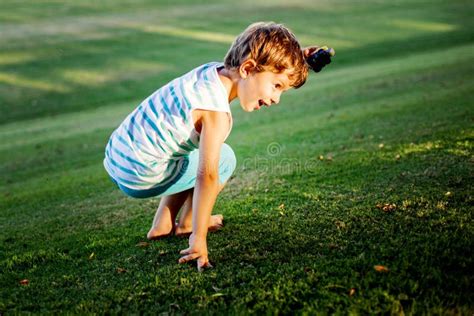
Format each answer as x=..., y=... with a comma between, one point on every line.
x=260, y=104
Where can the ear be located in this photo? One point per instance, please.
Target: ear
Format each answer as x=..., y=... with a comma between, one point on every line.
x=247, y=67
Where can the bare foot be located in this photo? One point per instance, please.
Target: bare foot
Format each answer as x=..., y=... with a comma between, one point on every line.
x=156, y=233
x=215, y=223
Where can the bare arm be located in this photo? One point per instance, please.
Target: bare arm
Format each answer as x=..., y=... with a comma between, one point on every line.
x=215, y=126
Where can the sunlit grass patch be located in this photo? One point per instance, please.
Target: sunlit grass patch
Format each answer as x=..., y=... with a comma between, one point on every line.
x=423, y=25
x=15, y=58
x=19, y=81
x=122, y=69
x=213, y=37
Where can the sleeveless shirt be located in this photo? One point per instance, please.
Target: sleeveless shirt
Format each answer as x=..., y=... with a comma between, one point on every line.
x=148, y=148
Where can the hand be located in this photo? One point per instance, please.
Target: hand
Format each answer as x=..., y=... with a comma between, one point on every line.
x=308, y=51
x=318, y=57
x=197, y=250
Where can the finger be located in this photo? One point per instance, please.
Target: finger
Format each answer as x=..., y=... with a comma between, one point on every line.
x=185, y=251
x=310, y=50
x=306, y=52
x=216, y=219
x=203, y=265
x=188, y=257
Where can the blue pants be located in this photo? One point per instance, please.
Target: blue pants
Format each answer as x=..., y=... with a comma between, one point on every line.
x=186, y=178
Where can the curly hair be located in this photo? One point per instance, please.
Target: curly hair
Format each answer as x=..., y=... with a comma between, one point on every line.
x=273, y=47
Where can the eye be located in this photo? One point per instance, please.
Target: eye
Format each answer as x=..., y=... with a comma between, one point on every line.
x=278, y=86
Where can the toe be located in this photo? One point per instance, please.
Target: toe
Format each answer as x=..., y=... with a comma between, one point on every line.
x=217, y=219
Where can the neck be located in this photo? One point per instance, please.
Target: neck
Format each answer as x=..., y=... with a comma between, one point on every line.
x=230, y=79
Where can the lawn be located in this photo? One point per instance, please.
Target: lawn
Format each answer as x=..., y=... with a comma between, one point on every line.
x=352, y=196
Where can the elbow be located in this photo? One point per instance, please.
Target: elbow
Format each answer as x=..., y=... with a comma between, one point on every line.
x=208, y=176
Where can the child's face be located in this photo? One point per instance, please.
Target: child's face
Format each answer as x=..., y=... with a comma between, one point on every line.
x=262, y=89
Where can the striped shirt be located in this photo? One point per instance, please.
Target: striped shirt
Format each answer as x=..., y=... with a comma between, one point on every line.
x=148, y=147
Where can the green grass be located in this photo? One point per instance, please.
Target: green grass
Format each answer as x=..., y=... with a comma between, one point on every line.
x=390, y=121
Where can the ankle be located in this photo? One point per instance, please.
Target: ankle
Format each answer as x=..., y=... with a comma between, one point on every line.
x=183, y=225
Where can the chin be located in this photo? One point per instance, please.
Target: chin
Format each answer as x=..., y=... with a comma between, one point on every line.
x=247, y=108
